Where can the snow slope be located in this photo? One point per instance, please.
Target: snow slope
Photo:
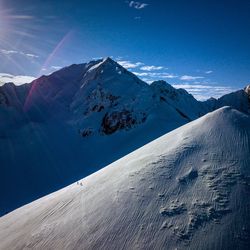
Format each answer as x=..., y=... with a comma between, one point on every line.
x=188, y=189
x=67, y=125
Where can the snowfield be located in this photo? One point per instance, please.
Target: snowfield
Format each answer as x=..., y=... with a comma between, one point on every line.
x=188, y=189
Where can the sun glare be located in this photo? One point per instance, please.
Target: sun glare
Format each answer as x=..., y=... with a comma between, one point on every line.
x=13, y=24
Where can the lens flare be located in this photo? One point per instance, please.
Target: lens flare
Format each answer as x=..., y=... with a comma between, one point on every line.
x=57, y=48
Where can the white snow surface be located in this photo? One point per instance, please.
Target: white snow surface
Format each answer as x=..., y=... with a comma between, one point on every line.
x=188, y=189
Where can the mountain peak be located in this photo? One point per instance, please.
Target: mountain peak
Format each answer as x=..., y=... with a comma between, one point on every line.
x=108, y=59
x=105, y=62
x=162, y=84
x=247, y=89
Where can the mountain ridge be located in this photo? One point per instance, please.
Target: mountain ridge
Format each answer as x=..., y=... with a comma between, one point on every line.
x=55, y=127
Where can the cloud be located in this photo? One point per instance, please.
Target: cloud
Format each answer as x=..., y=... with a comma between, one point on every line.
x=205, y=91
x=20, y=17
x=147, y=80
x=49, y=70
x=15, y=52
x=56, y=67
x=17, y=80
x=7, y=52
x=151, y=68
x=129, y=64
x=137, y=5
x=30, y=55
x=141, y=73
x=161, y=75
x=208, y=72
x=190, y=78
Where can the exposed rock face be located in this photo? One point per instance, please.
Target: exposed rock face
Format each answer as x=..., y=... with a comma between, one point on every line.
x=100, y=99
x=86, y=132
x=117, y=120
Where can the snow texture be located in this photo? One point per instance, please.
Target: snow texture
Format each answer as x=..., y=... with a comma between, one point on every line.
x=188, y=189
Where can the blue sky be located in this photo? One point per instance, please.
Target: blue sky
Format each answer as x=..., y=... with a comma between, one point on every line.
x=201, y=45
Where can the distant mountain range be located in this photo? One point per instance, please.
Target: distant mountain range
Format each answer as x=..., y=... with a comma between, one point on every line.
x=65, y=126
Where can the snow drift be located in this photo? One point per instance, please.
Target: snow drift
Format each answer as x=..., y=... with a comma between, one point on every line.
x=189, y=189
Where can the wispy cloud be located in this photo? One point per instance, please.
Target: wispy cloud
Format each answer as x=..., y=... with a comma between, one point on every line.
x=137, y=5
x=147, y=80
x=161, y=75
x=129, y=64
x=190, y=78
x=56, y=67
x=151, y=68
x=15, y=52
x=7, y=52
x=49, y=70
x=17, y=80
x=209, y=72
x=20, y=17
x=29, y=55
x=205, y=91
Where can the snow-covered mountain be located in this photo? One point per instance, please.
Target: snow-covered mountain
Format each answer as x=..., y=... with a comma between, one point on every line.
x=188, y=189
x=64, y=126
x=71, y=123
x=239, y=100
x=183, y=102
